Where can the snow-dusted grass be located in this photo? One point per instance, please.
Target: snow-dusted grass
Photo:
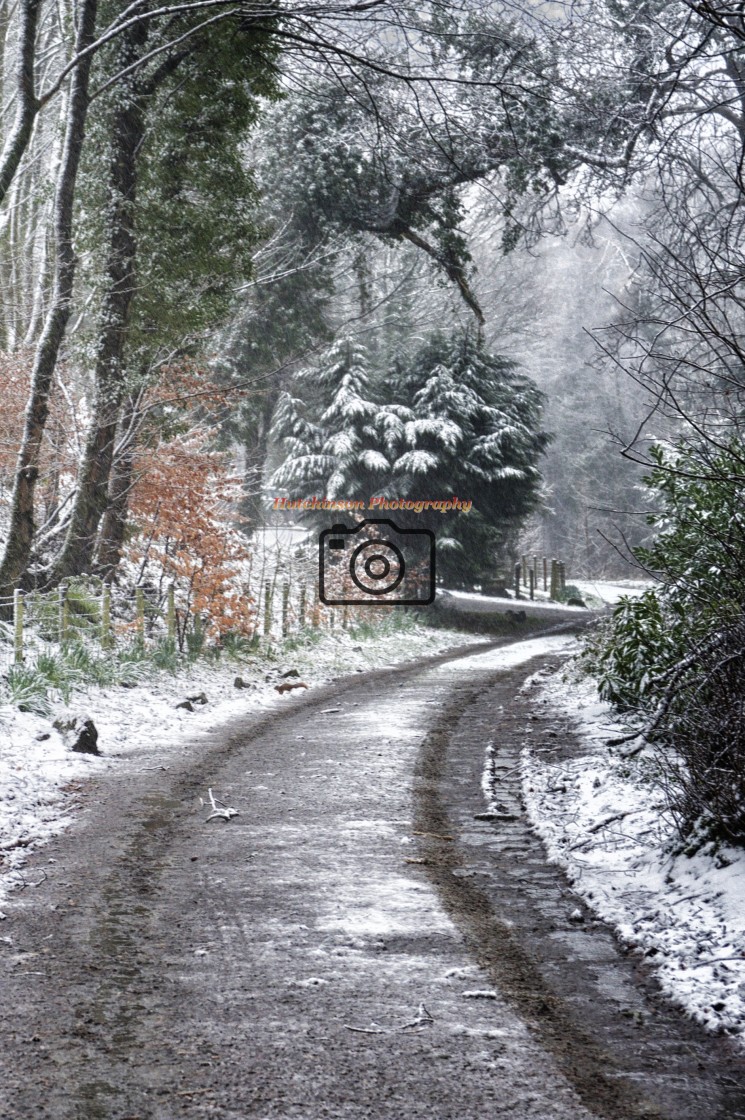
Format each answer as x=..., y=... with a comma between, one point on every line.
x=38, y=772
x=601, y=817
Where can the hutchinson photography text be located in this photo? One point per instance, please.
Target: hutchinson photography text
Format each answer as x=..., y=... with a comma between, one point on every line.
x=350, y=505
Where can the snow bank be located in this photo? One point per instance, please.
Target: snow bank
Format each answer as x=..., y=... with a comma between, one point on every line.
x=601, y=817
x=597, y=592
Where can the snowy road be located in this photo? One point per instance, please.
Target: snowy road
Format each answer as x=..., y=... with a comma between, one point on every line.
x=354, y=944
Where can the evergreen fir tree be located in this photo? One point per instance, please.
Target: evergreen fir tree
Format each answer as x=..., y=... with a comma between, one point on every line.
x=453, y=421
x=330, y=433
x=475, y=434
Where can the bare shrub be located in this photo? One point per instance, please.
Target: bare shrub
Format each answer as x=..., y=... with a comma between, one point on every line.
x=702, y=732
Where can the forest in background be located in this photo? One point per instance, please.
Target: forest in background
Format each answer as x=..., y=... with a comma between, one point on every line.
x=519, y=225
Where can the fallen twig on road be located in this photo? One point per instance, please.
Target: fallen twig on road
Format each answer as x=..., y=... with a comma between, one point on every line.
x=423, y=1019
x=226, y=813
x=23, y=882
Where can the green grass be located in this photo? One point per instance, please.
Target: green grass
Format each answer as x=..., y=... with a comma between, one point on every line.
x=394, y=620
x=27, y=690
x=238, y=645
x=59, y=671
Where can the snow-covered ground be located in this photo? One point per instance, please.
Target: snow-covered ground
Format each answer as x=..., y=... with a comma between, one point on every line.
x=474, y=601
x=38, y=772
x=597, y=593
x=607, y=591
x=600, y=814
x=601, y=817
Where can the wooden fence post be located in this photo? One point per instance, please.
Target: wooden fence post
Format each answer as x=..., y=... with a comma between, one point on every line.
x=517, y=581
x=524, y=567
x=554, y=579
x=531, y=576
x=562, y=576
x=140, y=613
x=63, y=613
x=267, y=608
x=106, y=617
x=545, y=574
x=285, y=608
x=171, y=614
x=301, y=607
x=18, y=626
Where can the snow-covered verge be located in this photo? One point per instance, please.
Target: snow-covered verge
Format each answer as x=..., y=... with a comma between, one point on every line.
x=609, y=592
x=39, y=773
x=597, y=593
x=601, y=816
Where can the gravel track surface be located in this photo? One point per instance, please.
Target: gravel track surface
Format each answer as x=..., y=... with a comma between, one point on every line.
x=354, y=944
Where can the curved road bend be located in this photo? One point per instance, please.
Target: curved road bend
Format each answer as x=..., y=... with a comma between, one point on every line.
x=331, y=952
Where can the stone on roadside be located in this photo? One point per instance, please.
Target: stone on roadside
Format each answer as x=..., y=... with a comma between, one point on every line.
x=84, y=737
x=79, y=733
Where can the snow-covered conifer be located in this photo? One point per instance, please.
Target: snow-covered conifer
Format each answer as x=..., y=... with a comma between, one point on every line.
x=331, y=443
x=455, y=420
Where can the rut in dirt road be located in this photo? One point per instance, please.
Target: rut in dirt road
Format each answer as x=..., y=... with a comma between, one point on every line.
x=330, y=952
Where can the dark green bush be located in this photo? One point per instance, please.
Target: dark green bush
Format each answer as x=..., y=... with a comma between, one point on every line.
x=676, y=654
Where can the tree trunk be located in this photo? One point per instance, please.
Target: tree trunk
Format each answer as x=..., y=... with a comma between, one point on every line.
x=27, y=105
x=252, y=506
x=91, y=495
x=21, y=528
x=111, y=539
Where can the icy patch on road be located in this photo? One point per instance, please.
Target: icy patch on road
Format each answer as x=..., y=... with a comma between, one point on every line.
x=385, y=905
x=602, y=818
x=507, y=657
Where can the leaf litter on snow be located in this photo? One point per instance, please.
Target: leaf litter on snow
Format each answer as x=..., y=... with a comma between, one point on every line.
x=602, y=817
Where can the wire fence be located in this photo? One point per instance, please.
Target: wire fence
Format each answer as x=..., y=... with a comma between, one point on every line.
x=42, y=622
x=105, y=619
x=284, y=600
x=532, y=571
